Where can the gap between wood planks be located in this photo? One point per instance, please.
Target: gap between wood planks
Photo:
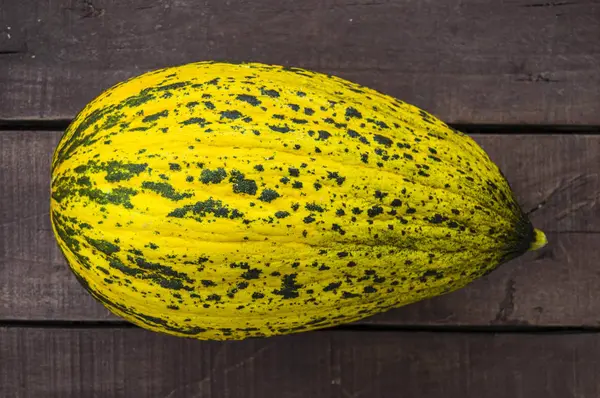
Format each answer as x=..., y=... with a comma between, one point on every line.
x=468, y=128
x=467, y=329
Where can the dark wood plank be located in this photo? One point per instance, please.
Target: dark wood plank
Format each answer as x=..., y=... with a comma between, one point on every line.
x=556, y=286
x=518, y=61
x=55, y=363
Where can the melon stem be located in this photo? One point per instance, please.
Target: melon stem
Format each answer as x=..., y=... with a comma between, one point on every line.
x=539, y=240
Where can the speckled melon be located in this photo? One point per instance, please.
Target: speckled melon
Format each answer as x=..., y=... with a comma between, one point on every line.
x=223, y=201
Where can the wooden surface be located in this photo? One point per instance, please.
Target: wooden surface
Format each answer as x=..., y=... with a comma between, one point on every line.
x=522, y=66
x=60, y=363
x=482, y=61
x=533, y=290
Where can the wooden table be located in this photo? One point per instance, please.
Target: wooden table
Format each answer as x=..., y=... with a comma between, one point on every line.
x=523, y=77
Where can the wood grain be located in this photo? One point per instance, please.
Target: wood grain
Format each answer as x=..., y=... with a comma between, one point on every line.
x=471, y=61
x=55, y=363
x=556, y=286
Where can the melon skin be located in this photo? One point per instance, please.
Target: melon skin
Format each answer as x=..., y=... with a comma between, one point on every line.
x=216, y=200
